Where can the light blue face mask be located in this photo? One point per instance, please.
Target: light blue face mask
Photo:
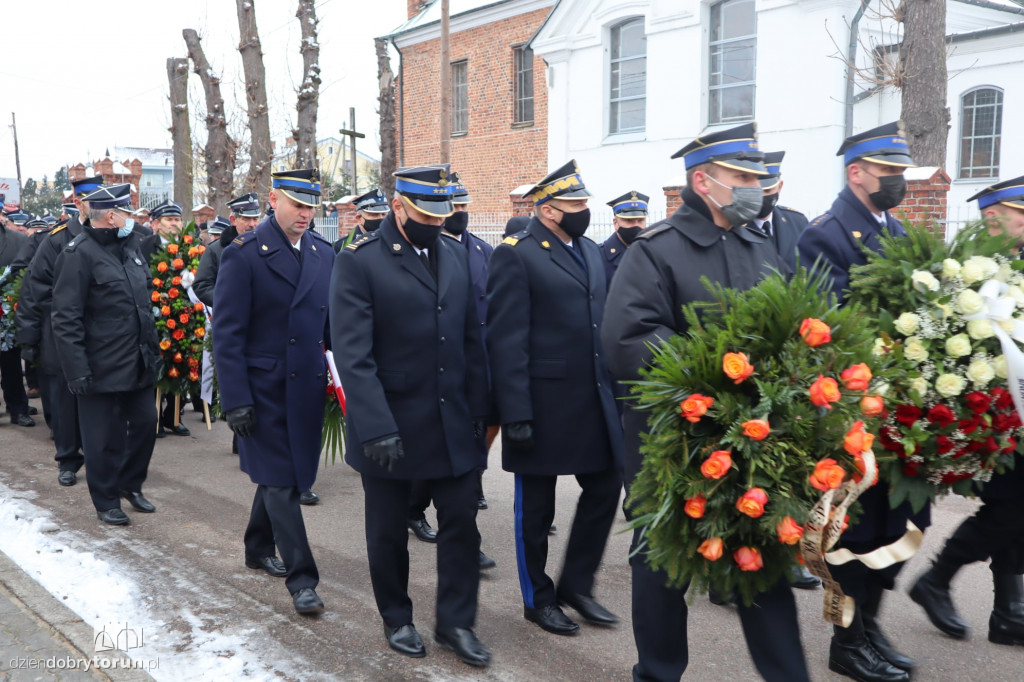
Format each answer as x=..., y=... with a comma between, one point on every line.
x=123, y=232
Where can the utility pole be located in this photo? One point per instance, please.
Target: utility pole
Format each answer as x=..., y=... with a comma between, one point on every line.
x=17, y=158
x=446, y=86
x=352, y=135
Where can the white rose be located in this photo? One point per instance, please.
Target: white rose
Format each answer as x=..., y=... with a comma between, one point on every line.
x=907, y=323
x=915, y=350
x=949, y=385
x=1015, y=292
x=958, y=346
x=881, y=388
x=879, y=348
x=946, y=309
x=969, y=302
x=920, y=385
x=1008, y=325
x=999, y=367
x=980, y=372
x=971, y=272
x=924, y=281
x=977, y=268
x=1005, y=273
x=950, y=268
x=980, y=329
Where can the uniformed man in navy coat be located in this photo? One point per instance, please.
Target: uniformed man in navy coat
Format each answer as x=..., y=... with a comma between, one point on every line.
x=996, y=530
x=269, y=326
x=875, y=161
x=403, y=310
x=370, y=211
x=545, y=303
x=780, y=224
x=629, y=216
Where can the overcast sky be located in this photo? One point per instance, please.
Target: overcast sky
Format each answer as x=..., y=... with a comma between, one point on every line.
x=81, y=77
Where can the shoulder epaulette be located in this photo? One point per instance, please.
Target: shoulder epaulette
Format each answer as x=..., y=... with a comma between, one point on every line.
x=362, y=240
x=73, y=244
x=514, y=239
x=244, y=239
x=789, y=210
x=58, y=228
x=820, y=219
x=656, y=228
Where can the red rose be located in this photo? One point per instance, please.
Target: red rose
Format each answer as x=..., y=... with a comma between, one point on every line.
x=953, y=477
x=978, y=402
x=941, y=415
x=1011, y=445
x=990, y=445
x=1003, y=398
x=943, y=444
x=908, y=414
x=970, y=425
x=912, y=469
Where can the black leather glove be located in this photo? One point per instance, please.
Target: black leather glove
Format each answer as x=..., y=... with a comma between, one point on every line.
x=385, y=452
x=30, y=354
x=479, y=428
x=80, y=386
x=520, y=436
x=242, y=420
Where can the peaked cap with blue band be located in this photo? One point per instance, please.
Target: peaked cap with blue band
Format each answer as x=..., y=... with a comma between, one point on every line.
x=373, y=201
x=19, y=218
x=301, y=185
x=564, y=183
x=428, y=188
x=36, y=223
x=247, y=205
x=112, y=196
x=460, y=195
x=50, y=219
x=70, y=208
x=632, y=204
x=87, y=185
x=734, y=148
x=164, y=210
x=772, y=164
x=218, y=225
x=886, y=144
x=1008, y=192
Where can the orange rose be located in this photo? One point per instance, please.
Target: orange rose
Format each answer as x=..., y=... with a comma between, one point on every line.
x=856, y=378
x=173, y=373
x=161, y=267
x=202, y=249
x=172, y=249
x=872, y=405
x=788, y=530
x=827, y=475
x=736, y=367
x=694, y=506
x=198, y=306
x=748, y=559
x=165, y=344
x=694, y=407
x=200, y=332
x=165, y=310
x=157, y=282
x=176, y=281
x=752, y=502
x=711, y=549
x=187, y=239
x=858, y=440
x=815, y=332
x=193, y=362
x=183, y=318
x=717, y=465
x=155, y=296
x=177, y=264
x=193, y=376
x=178, y=334
x=171, y=324
x=173, y=293
x=178, y=357
x=193, y=252
x=824, y=391
x=758, y=429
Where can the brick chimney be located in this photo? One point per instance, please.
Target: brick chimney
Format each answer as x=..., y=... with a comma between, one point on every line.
x=522, y=205
x=672, y=199
x=346, y=216
x=415, y=6
x=925, y=201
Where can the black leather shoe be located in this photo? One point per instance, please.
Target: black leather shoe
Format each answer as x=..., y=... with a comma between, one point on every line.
x=308, y=497
x=406, y=641
x=802, y=579
x=115, y=517
x=138, y=502
x=884, y=647
x=1006, y=628
x=22, y=420
x=481, y=502
x=307, y=603
x=33, y=410
x=937, y=603
x=271, y=564
x=863, y=663
x=67, y=478
x=552, y=619
x=592, y=612
x=464, y=643
x=179, y=430
x=486, y=562
x=160, y=433
x=422, y=530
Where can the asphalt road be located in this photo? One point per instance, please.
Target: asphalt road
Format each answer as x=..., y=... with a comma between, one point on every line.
x=188, y=558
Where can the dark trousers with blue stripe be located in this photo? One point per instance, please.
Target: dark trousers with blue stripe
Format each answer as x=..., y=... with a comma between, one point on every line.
x=386, y=503
x=534, y=512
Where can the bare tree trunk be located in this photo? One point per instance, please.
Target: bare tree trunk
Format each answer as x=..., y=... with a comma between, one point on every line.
x=261, y=155
x=220, y=148
x=446, y=87
x=923, y=75
x=386, y=109
x=177, y=75
x=309, y=91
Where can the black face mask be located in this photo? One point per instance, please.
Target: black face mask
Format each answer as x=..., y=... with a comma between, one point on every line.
x=420, y=234
x=768, y=205
x=457, y=222
x=371, y=225
x=628, y=234
x=891, y=190
x=575, y=224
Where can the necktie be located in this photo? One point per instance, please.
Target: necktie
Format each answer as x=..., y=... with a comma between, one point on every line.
x=767, y=228
x=426, y=262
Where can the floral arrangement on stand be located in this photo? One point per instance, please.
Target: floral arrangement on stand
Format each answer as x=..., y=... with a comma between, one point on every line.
x=952, y=315
x=10, y=288
x=180, y=323
x=768, y=401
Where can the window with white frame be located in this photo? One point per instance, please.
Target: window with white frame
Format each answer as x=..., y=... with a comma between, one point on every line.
x=522, y=58
x=732, y=49
x=981, y=124
x=460, y=98
x=628, y=92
